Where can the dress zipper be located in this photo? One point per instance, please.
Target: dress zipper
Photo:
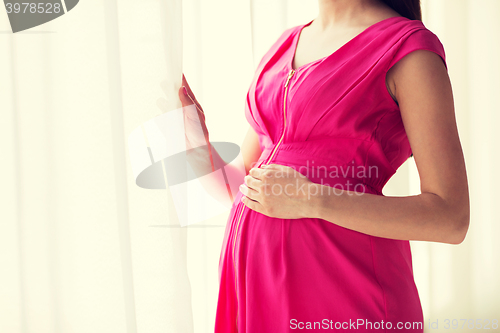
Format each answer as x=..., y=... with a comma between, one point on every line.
x=290, y=74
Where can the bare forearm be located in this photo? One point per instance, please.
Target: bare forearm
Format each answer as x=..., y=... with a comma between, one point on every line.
x=424, y=217
x=220, y=180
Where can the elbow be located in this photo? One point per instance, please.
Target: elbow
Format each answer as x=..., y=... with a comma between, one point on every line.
x=460, y=227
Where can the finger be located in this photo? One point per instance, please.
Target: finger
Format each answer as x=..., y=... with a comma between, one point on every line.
x=190, y=92
x=186, y=84
x=166, y=87
x=253, y=205
x=185, y=100
x=195, y=102
x=188, y=100
x=260, y=173
x=256, y=173
x=250, y=193
x=271, y=166
x=188, y=88
x=252, y=182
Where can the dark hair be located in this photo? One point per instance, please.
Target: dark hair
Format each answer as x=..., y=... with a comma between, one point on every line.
x=407, y=8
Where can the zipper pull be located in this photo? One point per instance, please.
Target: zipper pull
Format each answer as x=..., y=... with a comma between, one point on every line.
x=289, y=77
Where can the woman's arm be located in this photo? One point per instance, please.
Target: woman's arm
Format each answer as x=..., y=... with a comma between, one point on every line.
x=204, y=162
x=250, y=149
x=440, y=213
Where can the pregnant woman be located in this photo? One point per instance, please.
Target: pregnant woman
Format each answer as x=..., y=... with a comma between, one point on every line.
x=335, y=107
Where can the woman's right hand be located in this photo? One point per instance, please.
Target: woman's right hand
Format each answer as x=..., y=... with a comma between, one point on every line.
x=195, y=128
x=194, y=117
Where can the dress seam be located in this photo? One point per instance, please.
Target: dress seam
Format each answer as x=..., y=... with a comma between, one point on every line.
x=376, y=277
x=398, y=47
x=374, y=137
x=374, y=133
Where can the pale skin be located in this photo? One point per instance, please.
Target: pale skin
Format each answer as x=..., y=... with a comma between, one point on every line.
x=420, y=84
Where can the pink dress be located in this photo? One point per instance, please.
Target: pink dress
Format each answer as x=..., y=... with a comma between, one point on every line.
x=328, y=119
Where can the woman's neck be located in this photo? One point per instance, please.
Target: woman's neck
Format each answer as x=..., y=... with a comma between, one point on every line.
x=347, y=12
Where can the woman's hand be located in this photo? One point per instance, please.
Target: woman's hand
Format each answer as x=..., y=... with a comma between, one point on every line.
x=194, y=118
x=278, y=191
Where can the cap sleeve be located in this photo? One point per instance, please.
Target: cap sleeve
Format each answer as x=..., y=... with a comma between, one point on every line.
x=422, y=39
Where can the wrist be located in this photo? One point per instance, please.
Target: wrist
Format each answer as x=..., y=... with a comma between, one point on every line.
x=314, y=201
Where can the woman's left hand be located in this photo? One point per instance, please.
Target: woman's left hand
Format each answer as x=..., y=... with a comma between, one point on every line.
x=278, y=191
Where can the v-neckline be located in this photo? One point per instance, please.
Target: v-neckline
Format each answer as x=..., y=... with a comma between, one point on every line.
x=299, y=31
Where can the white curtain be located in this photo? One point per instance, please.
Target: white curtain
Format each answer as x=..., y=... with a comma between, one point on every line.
x=84, y=249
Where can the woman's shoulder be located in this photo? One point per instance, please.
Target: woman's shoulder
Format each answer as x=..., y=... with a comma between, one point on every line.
x=412, y=35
